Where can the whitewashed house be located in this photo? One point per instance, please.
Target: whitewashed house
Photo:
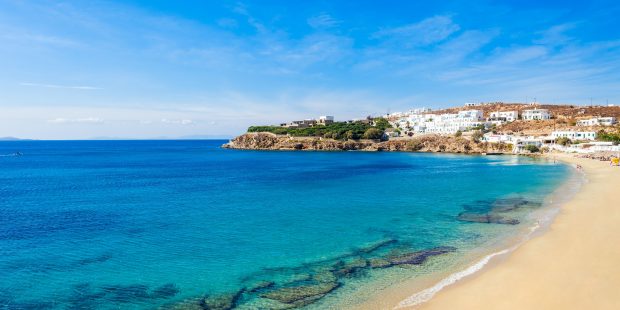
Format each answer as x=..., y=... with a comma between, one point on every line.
x=597, y=121
x=521, y=143
x=495, y=138
x=503, y=116
x=575, y=135
x=448, y=123
x=535, y=114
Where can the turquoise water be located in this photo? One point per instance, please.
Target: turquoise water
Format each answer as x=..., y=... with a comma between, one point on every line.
x=143, y=224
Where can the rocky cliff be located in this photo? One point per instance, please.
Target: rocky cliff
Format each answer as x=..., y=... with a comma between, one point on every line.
x=427, y=143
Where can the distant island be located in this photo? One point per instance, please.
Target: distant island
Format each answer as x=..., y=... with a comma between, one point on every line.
x=12, y=139
x=473, y=128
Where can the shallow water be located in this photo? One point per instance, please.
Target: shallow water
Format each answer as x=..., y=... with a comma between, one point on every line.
x=141, y=224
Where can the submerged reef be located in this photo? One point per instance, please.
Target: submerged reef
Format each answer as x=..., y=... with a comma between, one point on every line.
x=494, y=212
x=299, y=286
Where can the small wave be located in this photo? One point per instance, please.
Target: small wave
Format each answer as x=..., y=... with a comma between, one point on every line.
x=427, y=294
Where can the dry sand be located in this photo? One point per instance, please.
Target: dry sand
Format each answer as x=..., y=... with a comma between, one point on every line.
x=574, y=265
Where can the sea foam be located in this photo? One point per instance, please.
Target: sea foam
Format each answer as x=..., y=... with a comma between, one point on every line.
x=427, y=294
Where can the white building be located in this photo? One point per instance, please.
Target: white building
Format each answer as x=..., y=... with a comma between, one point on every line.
x=535, y=114
x=495, y=138
x=448, y=123
x=325, y=120
x=506, y=116
x=391, y=133
x=419, y=110
x=574, y=135
x=597, y=121
x=521, y=143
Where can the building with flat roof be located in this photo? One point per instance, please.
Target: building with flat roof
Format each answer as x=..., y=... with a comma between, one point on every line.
x=535, y=114
x=597, y=121
x=575, y=135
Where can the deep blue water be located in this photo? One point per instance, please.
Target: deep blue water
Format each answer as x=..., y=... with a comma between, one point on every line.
x=139, y=224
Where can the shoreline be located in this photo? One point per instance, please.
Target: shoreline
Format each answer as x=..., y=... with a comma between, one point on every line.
x=520, y=268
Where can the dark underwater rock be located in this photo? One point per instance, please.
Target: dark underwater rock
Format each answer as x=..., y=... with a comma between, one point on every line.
x=165, y=291
x=343, y=269
x=379, y=263
x=262, y=285
x=188, y=304
x=419, y=257
x=222, y=301
x=93, y=260
x=508, y=204
x=126, y=293
x=325, y=277
x=488, y=218
x=301, y=295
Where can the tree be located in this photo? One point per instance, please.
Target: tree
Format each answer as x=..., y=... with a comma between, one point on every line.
x=532, y=148
x=563, y=141
x=382, y=123
x=373, y=133
x=458, y=133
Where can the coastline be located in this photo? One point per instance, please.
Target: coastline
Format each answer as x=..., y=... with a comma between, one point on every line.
x=580, y=270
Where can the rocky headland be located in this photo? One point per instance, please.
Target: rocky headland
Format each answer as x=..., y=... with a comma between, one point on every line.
x=426, y=143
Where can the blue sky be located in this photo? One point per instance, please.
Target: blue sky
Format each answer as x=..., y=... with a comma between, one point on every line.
x=141, y=69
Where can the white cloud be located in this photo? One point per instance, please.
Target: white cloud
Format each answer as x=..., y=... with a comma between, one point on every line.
x=322, y=21
x=80, y=87
x=556, y=35
x=425, y=32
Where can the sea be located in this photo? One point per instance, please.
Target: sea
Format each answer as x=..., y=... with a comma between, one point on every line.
x=186, y=224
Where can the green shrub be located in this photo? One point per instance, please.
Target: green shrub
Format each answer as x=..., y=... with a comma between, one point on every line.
x=532, y=148
x=338, y=130
x=610, y=137
x=563, y=141
x=373, y=133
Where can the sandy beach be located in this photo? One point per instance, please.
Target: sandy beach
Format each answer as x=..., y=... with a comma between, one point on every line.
x=575, y=264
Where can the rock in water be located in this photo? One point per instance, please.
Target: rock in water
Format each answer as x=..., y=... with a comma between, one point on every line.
x=488, y=218
x=419, y=257
x=341, y=268
x=301, y=295
x=165, y=291
x=325, y=277
x=379, y=263
x=188, y=304
x=222, y=302
x=508, y=204
x=262, y=285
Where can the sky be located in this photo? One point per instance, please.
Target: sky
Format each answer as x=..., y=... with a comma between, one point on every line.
x=157, y=68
